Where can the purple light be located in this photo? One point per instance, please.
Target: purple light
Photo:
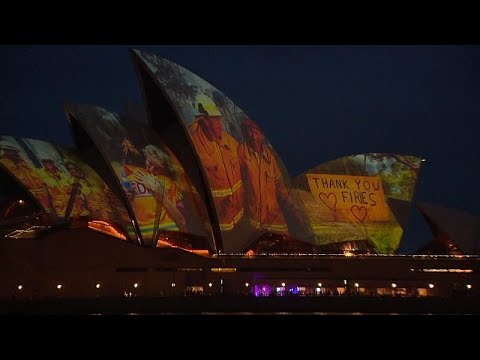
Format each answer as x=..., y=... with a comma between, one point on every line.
x=293, y=290
x=262, y=290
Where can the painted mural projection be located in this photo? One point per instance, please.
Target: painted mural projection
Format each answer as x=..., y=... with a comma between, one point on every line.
x=16, y=203
x=360, y=197
x=153, y=180
x=66, y=187
x=247, y=179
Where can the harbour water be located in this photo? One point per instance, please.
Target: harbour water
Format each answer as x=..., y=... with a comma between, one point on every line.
x=248, y=305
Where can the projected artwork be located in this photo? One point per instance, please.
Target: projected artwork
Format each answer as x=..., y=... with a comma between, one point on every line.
x=153, y=180
x=351, y=198
x=247, y=179
x=66, y=187
x=361, y=197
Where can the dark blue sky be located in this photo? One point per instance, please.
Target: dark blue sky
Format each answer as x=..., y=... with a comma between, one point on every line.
x=315, y=103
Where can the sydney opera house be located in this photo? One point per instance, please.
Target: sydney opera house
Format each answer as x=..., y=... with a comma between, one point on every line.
x=187, y=196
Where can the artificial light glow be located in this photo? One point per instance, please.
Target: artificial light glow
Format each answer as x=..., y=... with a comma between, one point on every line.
x=283, y=284
x=247, y=284
x=20, y=202
x=135, y=285
x=223, y=269
x=20, y=287
x=356, y=285
x=431, y=286
x=173, y=284
x=444, y=270
x=423, y=160
x=162, y=243
x=105, y=228
x=97, y=286
x=59, y=286
x=319, y=284
x=200, y=252
x=210, y=284
x=345, y=282
x=394, y=285
x=469, y=286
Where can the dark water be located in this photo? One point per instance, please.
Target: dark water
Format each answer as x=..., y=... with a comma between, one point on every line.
x=238, y=306
x=293, y=314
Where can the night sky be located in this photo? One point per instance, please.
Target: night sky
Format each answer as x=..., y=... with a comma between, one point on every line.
x=314, y=103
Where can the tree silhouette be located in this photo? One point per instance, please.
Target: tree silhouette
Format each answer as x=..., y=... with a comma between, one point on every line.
x=405, y=160
x=175, y=82
x=400, y=176
x=233, y=115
